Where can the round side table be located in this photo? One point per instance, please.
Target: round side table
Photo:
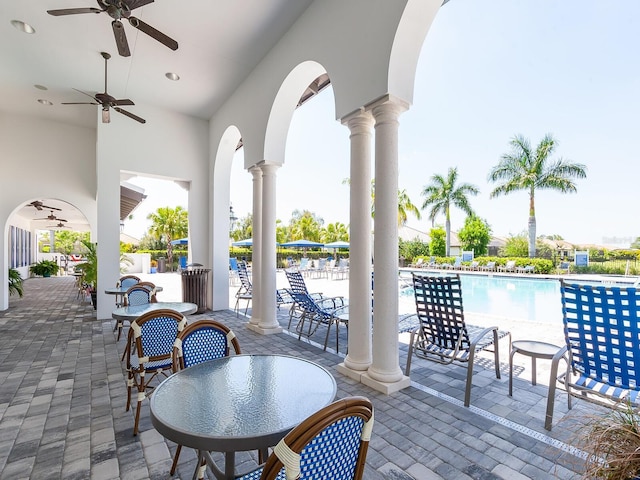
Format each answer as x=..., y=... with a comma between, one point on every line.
x=533, y=349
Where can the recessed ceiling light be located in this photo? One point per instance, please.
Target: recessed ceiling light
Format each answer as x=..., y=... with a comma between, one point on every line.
x=23, y=27
x=172, y=76
x=44, y=102
x=41, y=87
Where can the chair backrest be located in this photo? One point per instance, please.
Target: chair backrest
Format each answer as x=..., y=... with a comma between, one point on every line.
x=139, y=295
x=601, y=325
x=331, y=443
x=153, y=335
x=244, y=276
x=202, y=341
x=510, y=264
x=439, y=309
x=457, y=262
x=296, y=281
x=233, y=264
x=304, y=263
x=127, y=281
x=491, y=265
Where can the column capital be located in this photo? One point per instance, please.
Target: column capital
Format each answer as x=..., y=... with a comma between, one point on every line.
x=387, y=104
x=268, y=168
x=359, y=121
x=255, y=171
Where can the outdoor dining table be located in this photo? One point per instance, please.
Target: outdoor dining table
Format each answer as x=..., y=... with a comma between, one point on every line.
x=238, y=403
x=131, y=312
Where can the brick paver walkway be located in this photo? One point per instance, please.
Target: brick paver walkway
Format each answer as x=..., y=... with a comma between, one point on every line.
x=62, y=406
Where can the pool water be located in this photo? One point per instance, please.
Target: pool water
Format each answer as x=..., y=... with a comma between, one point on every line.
x=517, y=298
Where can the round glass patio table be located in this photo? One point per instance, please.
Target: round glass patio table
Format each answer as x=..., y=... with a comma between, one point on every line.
x=239, y=403
x=132, y=312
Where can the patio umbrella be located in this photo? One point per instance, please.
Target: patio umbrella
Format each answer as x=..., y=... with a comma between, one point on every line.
x=338, y=244
x=302, y=244
x=180, y=241
x=247, y=242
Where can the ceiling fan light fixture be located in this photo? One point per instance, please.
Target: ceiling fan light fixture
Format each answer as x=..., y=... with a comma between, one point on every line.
x=44, y=101
x=172, y=76
x=41, y=87
x=23, y=27
x=106, y=116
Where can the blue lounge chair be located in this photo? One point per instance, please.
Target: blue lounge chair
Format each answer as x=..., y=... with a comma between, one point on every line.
x=602, y=346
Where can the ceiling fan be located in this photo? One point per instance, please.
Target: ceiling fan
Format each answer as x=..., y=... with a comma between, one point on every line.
x=118, y=9
x=40, y=205
x=58, y=225
x=106, y=100
x=51, y=217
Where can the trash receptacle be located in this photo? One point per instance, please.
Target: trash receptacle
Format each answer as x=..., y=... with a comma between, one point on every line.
x=162, y=265
x=194, y=286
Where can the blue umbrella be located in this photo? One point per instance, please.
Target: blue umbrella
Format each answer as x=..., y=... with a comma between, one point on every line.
x=180, y=241
x=338, y=244
x=302, y=244
x=243, y=243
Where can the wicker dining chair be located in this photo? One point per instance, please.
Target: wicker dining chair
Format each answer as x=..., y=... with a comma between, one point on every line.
x=199, y=342
x=149, y=351
x=331, y=443
x=137, y=294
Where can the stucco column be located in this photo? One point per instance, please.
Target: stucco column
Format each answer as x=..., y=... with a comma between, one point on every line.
x=256, y=252
x=359, y=357
x=385, y=374
x=268, y=323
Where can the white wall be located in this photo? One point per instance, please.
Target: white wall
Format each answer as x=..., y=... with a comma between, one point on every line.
x=43, y=159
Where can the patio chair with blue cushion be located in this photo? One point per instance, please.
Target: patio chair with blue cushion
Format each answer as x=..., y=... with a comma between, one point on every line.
x=148, y=352
x=199, y=342
x=138, y=294
x=602, y=334
x=332, y=443
x=443, y=335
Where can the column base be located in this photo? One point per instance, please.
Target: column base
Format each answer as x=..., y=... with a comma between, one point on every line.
x=264, y=331
x=384, y=387
x=349, y=372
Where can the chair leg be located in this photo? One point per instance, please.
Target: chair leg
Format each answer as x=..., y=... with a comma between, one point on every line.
x=174, y=465
x=467, y=388
x=407, y=368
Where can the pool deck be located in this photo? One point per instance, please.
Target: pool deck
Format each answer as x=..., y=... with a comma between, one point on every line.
x=62, y=402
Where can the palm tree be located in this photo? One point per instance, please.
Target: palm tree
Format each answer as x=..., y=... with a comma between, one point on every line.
x=169, y=223
x=405, y=206
x=442, y=194
x=526, y=169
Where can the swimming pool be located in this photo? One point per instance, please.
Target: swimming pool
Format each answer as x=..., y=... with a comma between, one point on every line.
x=516, y=298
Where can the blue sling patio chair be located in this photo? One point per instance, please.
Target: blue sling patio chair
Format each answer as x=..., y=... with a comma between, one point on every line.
x=443, y=335
x=297, y=284
x=245, y=292
x=313, y=314
x=602, y=334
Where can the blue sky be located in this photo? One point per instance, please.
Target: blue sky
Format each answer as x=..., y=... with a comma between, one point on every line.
x=489, y=70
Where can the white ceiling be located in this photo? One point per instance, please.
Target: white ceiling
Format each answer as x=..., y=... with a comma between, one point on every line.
x=220, y=42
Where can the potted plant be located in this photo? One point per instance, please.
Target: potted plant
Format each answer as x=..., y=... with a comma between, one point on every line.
x=89, y=269
x=612, y=443
x=44, y=268
x=15, y=283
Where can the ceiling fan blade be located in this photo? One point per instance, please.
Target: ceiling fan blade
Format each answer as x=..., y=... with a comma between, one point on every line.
x=123, y=101
x=61, y=220
x=130, y=115
x=79, y=103
x=121, y=38
x=73, y=11
x=133, y=4
x=87, y=94
x=153, y=33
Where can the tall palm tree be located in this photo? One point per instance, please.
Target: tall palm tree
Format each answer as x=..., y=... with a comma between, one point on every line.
x=442, y=194
x=169, y=223
x=405, y=206
x=531, y=170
